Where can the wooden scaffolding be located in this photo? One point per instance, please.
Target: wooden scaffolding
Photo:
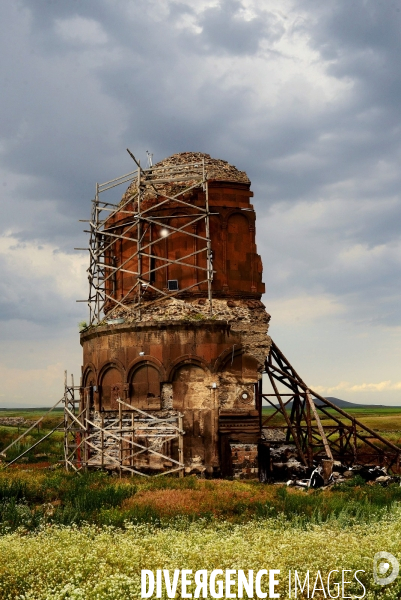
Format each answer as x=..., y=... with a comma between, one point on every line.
x=132, y=440
x=318, y=428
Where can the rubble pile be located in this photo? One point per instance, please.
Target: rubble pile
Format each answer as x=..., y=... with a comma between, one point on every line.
x=371, y=474
x=216, y=169
x=285, y=463
x=285, y=466
x=14, y=421
x=173, y=309
x=244, y=460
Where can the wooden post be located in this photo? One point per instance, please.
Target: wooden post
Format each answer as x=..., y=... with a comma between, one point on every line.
x=209, y=263
x=120, y=420
x=288, y=420
x=341, y=442
x=139, y=243
x=180, y=445
x=132, y=440
x=310, y=437
x=355, y=440
x=86, y=430
x=102, y=443
x=319, y=426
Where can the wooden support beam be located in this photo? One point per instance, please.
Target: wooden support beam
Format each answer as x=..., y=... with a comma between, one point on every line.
x=348, y=436
x=288, y=421
x=319, y=425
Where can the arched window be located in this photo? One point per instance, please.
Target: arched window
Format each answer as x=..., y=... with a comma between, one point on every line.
x=145, y=388
x=188, y=387
x=111, y=389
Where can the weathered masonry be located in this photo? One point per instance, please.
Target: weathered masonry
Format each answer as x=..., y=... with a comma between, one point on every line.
x=176, y=348
x=177, y=338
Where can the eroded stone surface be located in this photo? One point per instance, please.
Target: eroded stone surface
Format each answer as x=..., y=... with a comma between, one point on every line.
x=217, y=170
x=182, y=354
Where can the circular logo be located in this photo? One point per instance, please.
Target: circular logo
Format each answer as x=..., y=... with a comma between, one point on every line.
x=385, y=568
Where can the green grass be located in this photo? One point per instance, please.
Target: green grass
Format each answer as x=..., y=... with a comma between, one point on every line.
x=65, y=536
x=88, y=536
x=30, y=499
x=50, y=450
x=357, y=412
x=396, y=410
x=27, y=413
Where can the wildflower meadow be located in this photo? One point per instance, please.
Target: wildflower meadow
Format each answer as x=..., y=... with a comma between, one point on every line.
x=65, y=536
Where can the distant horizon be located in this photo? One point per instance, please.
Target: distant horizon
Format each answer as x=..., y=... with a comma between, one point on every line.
x=46, y=407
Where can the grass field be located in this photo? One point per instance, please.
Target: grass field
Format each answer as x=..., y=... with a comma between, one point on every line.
x=93, y=564
x=30, y=413
x=88, y=536
x=33, y=498
x=51, y=450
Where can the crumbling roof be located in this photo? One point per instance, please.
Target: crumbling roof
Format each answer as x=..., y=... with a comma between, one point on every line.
x=216, y=169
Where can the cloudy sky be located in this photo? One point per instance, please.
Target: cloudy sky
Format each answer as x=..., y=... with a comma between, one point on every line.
x=303, y=95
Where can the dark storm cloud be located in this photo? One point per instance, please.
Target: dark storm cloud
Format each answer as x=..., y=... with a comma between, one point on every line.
x=361, y=42
x=73, y=104
x=60, y=119
x=224, y=28
x=370, y=26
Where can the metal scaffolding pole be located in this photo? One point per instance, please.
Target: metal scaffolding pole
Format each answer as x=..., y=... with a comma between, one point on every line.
x=145, y=224
x=121, y=442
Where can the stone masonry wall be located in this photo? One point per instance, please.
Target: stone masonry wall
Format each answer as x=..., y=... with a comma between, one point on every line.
x=244, y=459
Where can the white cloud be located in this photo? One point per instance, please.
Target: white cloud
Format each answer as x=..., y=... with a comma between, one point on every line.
x=43, y=265
x=80, y=30
x=365, y=258
x=346, y=386
x=303, y=309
